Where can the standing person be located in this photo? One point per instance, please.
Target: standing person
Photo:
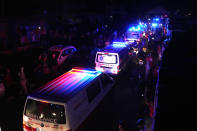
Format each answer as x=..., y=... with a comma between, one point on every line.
x=46, y=69
x=148, y=116
x=24, y=39
x=134, y=43
x=147, y=70
x=23, y=80
x=121, y=126
x=8, y=80
x=140, y=124
x=54, y=63
x=149, y=61
x=159, y=52
x=2, y=88
x=155, y=74
x=38, y=71
x=141, y=60
x=38, y=64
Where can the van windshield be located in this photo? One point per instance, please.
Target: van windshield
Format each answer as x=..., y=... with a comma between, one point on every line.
x=107, y=58
x=45, y=111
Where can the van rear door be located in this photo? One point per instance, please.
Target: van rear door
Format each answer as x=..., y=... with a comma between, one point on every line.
x=43, y=116
x=107, y=62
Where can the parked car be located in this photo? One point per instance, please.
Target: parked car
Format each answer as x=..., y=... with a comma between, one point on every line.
x=62, y=53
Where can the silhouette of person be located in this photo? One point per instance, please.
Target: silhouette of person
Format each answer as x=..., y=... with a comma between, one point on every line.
x=23, y=80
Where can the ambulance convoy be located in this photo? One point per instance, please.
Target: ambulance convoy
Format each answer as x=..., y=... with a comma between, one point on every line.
x=64, y=103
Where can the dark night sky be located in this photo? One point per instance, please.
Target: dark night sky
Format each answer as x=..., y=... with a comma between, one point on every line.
x=26, y=7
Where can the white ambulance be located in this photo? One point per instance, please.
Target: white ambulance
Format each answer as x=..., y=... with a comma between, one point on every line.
x=113, y=58
x=65, y=103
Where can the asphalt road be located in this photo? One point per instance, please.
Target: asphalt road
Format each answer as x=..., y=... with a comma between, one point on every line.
x=121, y=103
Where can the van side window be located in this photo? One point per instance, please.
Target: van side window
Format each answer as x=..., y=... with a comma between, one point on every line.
x=64, y=53
x=93, y=90
x=69, y=51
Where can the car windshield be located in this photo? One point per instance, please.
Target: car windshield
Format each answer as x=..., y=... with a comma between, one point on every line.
x=106, y=58
x=45, y=111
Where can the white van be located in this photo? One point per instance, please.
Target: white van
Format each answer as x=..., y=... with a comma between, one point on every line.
x=113, y=58
x=65, y=103
x=132, y=36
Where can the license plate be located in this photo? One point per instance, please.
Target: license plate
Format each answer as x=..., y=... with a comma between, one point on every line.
x=106, y=65
x=39, y=129
x=107, y=70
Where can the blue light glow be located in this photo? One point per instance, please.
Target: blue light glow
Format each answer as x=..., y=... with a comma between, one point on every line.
x=132, y=28
x=141, y=25
x=117, y=42
x=156, y=19
x=154, y=24
x=137, y=28
x=118, y=45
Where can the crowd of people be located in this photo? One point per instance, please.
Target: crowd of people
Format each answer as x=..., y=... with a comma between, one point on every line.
x=12, y=84
x=45, y=35
x=149, y=71
x=47, y=31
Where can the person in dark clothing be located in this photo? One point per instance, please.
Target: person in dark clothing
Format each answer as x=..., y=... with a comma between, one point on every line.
x=140, y=124
x=38, y=64
x=121, y=125
x=141, y=55
x=134, y=43
x=54, y=63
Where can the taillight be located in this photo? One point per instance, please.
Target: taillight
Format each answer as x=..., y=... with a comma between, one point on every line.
x=26, y=128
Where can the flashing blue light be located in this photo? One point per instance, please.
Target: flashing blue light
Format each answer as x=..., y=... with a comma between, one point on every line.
x=117, y=42
x=97, y=29
x=115, y=45
x=141, y=25
x=156, y=19
x=135, y=28
x=138, y=28
x=154, y=24
x=132, y=28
